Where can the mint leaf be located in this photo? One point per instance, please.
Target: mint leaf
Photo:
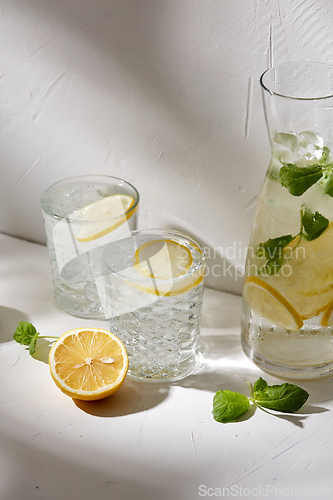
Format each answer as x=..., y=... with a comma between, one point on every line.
x=327, y=180
x=273, y=247
x=272, y=250
x=325, y=156
x=314, y=224
x=286, y=398
x=260, y=385
x=299, y=179
x=228, y=406
x=32, y=345
x=26, y=334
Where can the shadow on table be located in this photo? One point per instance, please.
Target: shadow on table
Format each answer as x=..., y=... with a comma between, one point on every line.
x=132, y=397
x=9, y=319
x=224, y=366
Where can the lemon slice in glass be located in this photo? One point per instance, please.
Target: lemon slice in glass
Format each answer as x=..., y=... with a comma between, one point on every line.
x=166, y=264
x=162, y=259
x=88, y=363
x=267, y=302
x=103, y=216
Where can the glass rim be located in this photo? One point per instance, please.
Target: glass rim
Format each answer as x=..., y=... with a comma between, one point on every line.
x=157, y=231
x=293, y=64
x=72, y=220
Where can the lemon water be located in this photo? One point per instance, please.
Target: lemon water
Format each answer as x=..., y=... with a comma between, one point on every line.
x=287, y=307
x=75, y=243
x=157, y=319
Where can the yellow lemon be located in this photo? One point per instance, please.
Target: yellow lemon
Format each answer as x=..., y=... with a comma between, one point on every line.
x=103, y=216
x=88, y=363
x=267, y=302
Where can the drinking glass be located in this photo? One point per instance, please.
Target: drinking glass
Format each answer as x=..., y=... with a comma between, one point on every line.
x=287, y=316
x=82, y=214
x=154, y=292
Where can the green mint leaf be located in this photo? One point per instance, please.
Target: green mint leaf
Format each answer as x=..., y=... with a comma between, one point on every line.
x=314, y=224
x=32, y=345
x=299, y=179
x=327, y=180
x=260, y=385
x=286, y=398
x=228, y=406
x=272, y=248
x=24, y=333
x=325, y=156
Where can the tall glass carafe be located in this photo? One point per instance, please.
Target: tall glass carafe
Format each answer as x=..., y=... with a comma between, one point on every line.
x=287, y=306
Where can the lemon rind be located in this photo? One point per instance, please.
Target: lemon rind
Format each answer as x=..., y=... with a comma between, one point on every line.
x=114, y=225
x=277, y=296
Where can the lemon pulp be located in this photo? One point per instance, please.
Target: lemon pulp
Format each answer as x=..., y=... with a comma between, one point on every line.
x=88, y=363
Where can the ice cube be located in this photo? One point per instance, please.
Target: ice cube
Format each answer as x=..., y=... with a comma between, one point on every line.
x=285, y=146
x=309, y=138
x=310, y=147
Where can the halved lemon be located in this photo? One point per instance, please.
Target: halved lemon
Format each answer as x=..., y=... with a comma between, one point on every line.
x=165, y=263
x=88, y=363
x=267, y=302
x=104, y=216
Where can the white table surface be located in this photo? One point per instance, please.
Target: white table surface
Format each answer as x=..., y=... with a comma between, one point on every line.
x=147, y=441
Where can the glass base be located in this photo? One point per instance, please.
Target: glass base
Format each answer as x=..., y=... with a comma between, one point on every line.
x=287, y=370
x=173, y=375
x=80, y=310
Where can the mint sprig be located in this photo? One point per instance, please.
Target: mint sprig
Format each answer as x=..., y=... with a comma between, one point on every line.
x=228, y=406
x=285, y=397
x=26, y=334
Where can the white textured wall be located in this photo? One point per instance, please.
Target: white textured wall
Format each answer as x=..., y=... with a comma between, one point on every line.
x=162, y=93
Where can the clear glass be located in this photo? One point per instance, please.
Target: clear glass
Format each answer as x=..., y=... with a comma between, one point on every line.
x=157, y=316
x=288, y=291
x=75, y=237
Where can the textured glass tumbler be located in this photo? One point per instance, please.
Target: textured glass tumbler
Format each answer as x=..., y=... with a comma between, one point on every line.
x=81, y=215
x=154, y=290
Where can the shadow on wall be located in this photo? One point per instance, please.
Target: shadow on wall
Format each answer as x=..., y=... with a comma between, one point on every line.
x=134, y=41
x=198, y=107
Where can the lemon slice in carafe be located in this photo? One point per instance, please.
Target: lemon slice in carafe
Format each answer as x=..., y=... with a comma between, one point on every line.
x=308, y=284
x=268, y=303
